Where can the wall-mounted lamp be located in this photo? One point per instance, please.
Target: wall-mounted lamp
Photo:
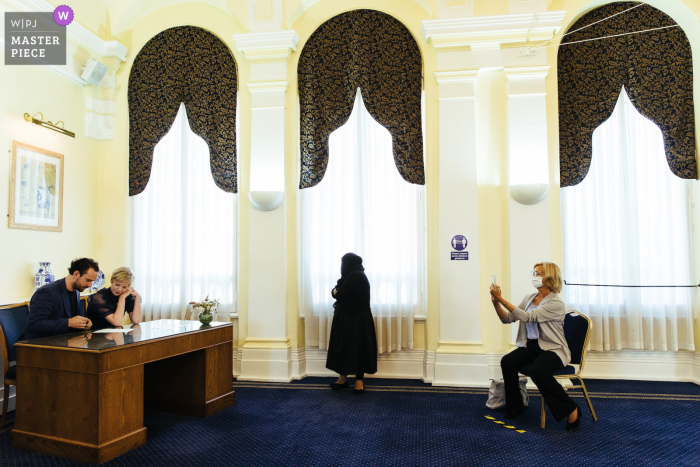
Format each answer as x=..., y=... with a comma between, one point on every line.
x=530, y=193
x=51, y=126
x=266, y=200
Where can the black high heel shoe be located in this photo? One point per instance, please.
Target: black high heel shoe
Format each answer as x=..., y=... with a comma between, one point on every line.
x=335, y=386
x=514, y=413
x=358, y=391
x=575, y=424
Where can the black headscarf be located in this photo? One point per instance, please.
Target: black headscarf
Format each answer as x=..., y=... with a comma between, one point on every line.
x=350, y=262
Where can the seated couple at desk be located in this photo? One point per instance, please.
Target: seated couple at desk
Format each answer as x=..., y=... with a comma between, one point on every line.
x=55, y=308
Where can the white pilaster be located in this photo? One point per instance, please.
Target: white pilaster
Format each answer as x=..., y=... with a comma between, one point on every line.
x=460, y=358
x=464, y=45
x=530, y=235
x=267, y=354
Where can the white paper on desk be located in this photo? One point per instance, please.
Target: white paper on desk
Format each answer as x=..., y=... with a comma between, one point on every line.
x=111, y=330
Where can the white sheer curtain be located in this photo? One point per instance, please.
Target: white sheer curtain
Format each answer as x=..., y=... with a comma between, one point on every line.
x=628, y=223
x=363, y=206
x=184, y=230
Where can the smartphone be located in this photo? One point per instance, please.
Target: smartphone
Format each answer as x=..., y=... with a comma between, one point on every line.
x=493, y=279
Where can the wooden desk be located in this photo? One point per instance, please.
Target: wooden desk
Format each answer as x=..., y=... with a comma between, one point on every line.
x=87, y=403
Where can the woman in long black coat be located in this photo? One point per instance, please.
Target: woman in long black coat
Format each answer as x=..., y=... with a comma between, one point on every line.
x=352, y=348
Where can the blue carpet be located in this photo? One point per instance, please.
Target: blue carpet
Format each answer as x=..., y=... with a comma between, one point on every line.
x=410, y=423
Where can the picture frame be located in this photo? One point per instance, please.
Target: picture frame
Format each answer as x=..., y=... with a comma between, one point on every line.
x=36, y=189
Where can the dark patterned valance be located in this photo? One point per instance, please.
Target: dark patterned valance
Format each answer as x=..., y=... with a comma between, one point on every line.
x=655, y=68
x=375, y=52
x=184, y=64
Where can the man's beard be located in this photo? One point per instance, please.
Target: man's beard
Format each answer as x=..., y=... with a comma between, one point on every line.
x=80, y=288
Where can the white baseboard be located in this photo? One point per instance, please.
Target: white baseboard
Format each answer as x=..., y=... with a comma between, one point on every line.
x=428, y=366
x=461, y=370
x=636, y=365
x=237, y=357
x=266, y=364
x=493, y=360
x=645, y=365
x=298, y=363
x=403, y=364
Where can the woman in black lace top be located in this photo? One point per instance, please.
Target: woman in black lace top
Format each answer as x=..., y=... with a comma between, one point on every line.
x=107, y=307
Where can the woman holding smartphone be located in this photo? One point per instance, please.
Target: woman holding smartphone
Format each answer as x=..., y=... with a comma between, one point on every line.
x=107, y=307
x=540, y=342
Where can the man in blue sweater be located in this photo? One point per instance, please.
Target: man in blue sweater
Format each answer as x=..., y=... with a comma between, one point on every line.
x=55, y=308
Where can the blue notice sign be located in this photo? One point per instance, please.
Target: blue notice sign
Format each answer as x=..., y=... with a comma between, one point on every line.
x=459, y=242
x=460, y=255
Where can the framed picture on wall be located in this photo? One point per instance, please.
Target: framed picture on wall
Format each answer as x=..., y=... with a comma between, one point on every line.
x=36, y=189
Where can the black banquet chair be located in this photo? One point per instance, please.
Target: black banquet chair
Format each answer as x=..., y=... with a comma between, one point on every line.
x=13, y=323
x=577, y=330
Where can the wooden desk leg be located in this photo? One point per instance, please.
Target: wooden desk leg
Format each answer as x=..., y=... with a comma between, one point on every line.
x=198, y=383
x=86, y=417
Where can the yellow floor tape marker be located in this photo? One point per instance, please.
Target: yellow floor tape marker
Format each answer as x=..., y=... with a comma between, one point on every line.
x=503, y=423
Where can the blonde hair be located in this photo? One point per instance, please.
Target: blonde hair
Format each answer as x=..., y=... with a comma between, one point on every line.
x=123, y=275
x=552, y=276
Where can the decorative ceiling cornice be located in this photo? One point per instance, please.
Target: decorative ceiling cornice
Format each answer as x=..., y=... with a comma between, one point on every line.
x=489, y=32
x=267, y=46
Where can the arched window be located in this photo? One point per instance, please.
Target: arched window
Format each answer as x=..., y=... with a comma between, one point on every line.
x=626, y=144
x=628, y=223
x=184, y=230
x=362, y=171
x=375, y=52
x=182, y=100
x=363, y=205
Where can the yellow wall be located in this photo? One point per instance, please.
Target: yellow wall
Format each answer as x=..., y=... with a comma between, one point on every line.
x=104, y=233
x=37, y=89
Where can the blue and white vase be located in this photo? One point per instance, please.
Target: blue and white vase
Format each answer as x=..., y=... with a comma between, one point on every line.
x=99, y=282
x=44, y=276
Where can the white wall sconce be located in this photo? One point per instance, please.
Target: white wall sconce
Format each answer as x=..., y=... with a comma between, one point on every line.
x=266, y=200
x=528, y=178
x=530, y=193
x=529, y=171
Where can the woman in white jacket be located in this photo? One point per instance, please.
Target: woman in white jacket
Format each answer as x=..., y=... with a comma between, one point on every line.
x=541, y=342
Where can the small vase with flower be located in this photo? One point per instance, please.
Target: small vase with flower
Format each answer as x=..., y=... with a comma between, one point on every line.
x=206, y=309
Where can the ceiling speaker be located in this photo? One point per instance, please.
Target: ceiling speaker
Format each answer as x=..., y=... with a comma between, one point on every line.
x=94, y=72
